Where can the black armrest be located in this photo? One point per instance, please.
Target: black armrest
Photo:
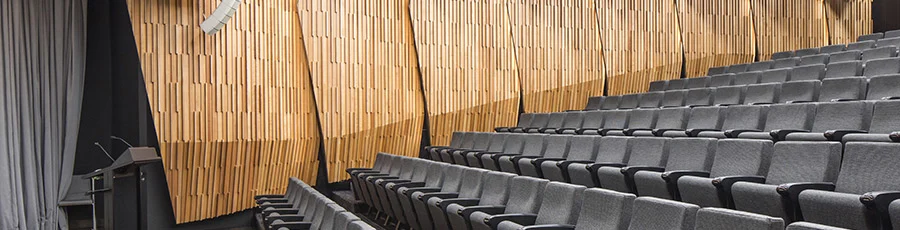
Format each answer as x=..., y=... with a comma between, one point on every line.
x=406, y=184
x=374, y=178
x=790, y=196
x=582, y=130
x=496, y=157
x=442, y=195
x=603, y=132
x=367, y=175
x=385, y=181
x=500, y=129
x=538, y=161
x=890, y=98
x=460, y=201
x=660, y=132
x=630, y=132
x=357, y=172
x=519, y=218
x=282, y=211
x=837, y=135
x=797, y=102
x=271, y=201
x=516, y=158
x=843, y=99
x=481, y=153
x=561, y=130
x=895, y=136
x=733, y=133
x=530, y=129
x=671, y=178
x=410, y=191
x=293, y=225
x=780, y=134
x=695, y=132
x=489, y=209
x=550, y=227
x=268, y=196
x=723, y=186
x=594, y=166
x=879, y=200
x=285, y=218
x=542, y=130
x=278, y=205
x=516, y=129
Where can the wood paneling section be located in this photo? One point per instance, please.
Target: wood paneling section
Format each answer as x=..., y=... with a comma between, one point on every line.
x=788, y=25
x=641, y=43
x=363, y=65
x=848, y=19
x=558, y=51
x=234, y=111
x=715, y=33
x=468, y=65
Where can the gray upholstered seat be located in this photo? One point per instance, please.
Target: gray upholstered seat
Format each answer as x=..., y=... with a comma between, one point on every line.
x=613, y=150
x=851, y=55
x=488, y=160
x=645, y=152
x=892, y=34
x=759, y=66
x=799, y=91
x=480, y=142
x=698, y=97
x=784, y=117
x=888, y=42
x=524, y=122
x=495, y=191
x=561, y=205
x=808, y=72
x=885, y=120
x=716, y=70
x=611, y=102
x=398, y=193
x=650, y=99
x=789, y=62
x=806, y=52
x=792, y=162
x=532, y=146
x=736, y=68
x=469, y=188
x=702, y=118
x=734, y=157
x=456, y=141
x=539, y=120
x=341, y=220
x=413, y=171
x=359, y=225
x=832, y=48
x=878, y=53
x=666, y=119
x=775, y=75
x=697, y=82
x=843, y=89
x=495, y=144
x=652, y=213
x=592, y=120
x=884, y=66
x=685, y=154
x=814, y=59
x=429, y=174
x=861, y=45
x=720, y=80
x=367, y=179
x=762, y=93
x=580, y=149
x=629, y=101
x=783, y=55
x=894, y=211
x=593, y=103
x=673, y=98
x=720, y=218
x=729, y=95
x=884, y=87
x=543, y=120
x=866, y=167
x=675, y=84
x=604, y=209
x=870, y=37
x=656, y=86
x=454, y=176
x=834, y=119
x=556, y=148
x=639, y=119
x=556, y=120
x=612, y=120
x=746, y=78
x=525, y=196
x=844, y=69
x=811, y=226
x=739, y=118
x=571, y=122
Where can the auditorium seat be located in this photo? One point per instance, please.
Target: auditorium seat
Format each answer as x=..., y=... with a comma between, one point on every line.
x=523, y=122
x=398, y=193
x=469, y=188
x=720, y=80
x=527, y=145
x=387, y=189
x=525, y=196
x=582, y=149
x=738, y=119
x=417, y=172
x=888, y=42
x=843, y=89
x=747, y=78
x=612, y=120
x=729, y=95
x=870, y=37
x=667, y=119
x=737, y=68
x=716, y=70
x=656, y=86
x=605, y=209
x=555, y=121
x=702, y=118
x=611, y=102
x=629, y=101
x=488, y=142
x=556, y=148
x=851, y=55
x=806, y=52
x=783, y=55
x=808, y=72
x=799, y=91
x=696, y=83
x=861, y=45
x=480, y=141
x=835, y=119
x=650, y=100
x=720, y=218
x=561, y=205
x=342, y=220
x=775, y=75
x=495, y=191
x=572, y=121
x=512, y=146
x=651, y=213
x=884, y=87
x=403, y=168
x=592, y=120
x=878, y=53
x=612, y=151
x=414, y=204
x=832, y=48
x=781, y=119
x=698, y=97
x=885, y=117
x=673, y=98
x=457, y=140
x=892, y=34
x=593, y=103
x=638, y=119
x=759, y=66
x=736, y=159
x=685, y=154
x=843, y=69
x=359, y=225
x=882, y=66
x=539, y=121
x=814, y=59
x=766, y=93
x=676, y=84
x=392, y=168
x=789, y=62
x=646, y=153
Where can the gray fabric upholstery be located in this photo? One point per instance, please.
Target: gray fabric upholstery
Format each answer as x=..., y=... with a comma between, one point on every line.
x=861, y=45
x=870, y=37
x=747, y=78
x=612, y=149
x=513, y=145
x=650, y=99
x=854, y=115
x=495, y=191
x=891, y=34
x=716, y=70
x=720, y=218
x=593, y=119
x=832, y=48
x=810, y=226
x=359, y=225
x=806, y=52
x=673, y=98
x=853, y=88
x=699, y=191
x=808, y=72
x=762, y=93
x=471, y=187
x=729, y=95
x=885, y=117
x=882, y=52
x=645, y=151
x=615, y=119
x=814, y=59
x=684, y=154
x=789, y=62
x=882, y=66
x=629, y=101
x=658, y=86
x=785, y=116
x=611, y=102
x=556, y=120
x=782, y=55
x=605, y=209
x=525, y=196
x=342, y=219
x=650, y=183
x=675, y=84
x=742, y=117
x=698, y=97
x=557, y=146
x=642, y=118
x=594, y=103
x=720, y=80
x=573, y=119
x=852, y=55
x=775, y=75
x=757, y=66
x=894, y=212
x=580, y=148
x=883, y=86
x=702, y=118
x=736, y=68
x=844, y=69
x=670, y=118
x=835, y=209
x=328, y=217
x=653, y=213
x=733, y=157
x=696, y=83
x=561, y=204
x=800, y=91
x=888, y=42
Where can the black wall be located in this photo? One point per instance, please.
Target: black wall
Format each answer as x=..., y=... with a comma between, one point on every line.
x=885, y=15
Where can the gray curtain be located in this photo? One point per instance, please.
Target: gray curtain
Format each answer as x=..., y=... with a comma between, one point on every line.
x=41, y=77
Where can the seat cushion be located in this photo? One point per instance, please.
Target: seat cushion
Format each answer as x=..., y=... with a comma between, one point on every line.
x=720, y=218
x=835, y=209
x=699, y=191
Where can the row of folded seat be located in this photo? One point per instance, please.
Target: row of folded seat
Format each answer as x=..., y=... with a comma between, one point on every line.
x=302, y=207
x=864, y=41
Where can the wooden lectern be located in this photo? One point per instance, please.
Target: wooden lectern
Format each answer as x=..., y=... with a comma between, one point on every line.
x=127, y=165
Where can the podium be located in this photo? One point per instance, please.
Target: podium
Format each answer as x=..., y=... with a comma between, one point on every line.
x=127, y=165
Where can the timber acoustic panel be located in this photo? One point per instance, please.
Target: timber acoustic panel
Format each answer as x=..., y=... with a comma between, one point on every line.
x=715, y=33
x=847, y=19
x=559, y=55
x=641, y=43
x=468, y=65
x=363, y=64
x=788, y=25
x=233, y=112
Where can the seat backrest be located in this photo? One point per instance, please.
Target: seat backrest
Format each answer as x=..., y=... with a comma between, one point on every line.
x=832, y=48
x=468, y=140
x=789, y=62
x=607, y=210
x=525, y=194
x=673, y=98
x=870, y=37
x=409, y=167
x=888, y=42
x=514, y=143
x=381, y=161
x=642, y=118
x=435, y=175
x=341, y=220
x=885, y=117
x=534, y=144
x=869, y=166
x=745, y=117
x=698, y=97
x=808, y=72
x=422, y=167
x=495, y=189
x=741, y=157
x=498, y=140
x=328, y=217
x=573, y=119
x=593, y=119
x=472, y=185
x=844, y=69
x=557, y=146
x=705, y=118
x=895, y=212
x=851, y=55
x=783, y=55
x=814, y=59
x=583, y=147
x=790, y=116
x=629, y=101
x=775, y=75
x=892, y=34
x=697, y=82
x=877, y=53
x=729, y=95
x=594, y=103
x=804, y=161
x=746, y=78
x=648, y=151
x=611, y=102
x=481, y=141
x=736, y=68
x=761, y=65
x=525, y=120
x=853, y=88
x=882, y=66
x=861, y=45
x=613, y=149
x=853, y=115
x=716, y=70
x=806, y=52
x=561, y=205
x=762, y=93
x=693, y=153
x=720, y=80
x=675, y=84
x=556, y=120
x=359, y=225
x=672, y=118
x=800, y=91
x=883, y=86
x=540, y=120
x=456, y=139
x=397, y=165
x=651, y=213
x=650, y=100
x=453, y=177
x=658, y=85
x=617, y=119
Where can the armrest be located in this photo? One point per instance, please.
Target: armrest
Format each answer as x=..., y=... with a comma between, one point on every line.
x=630, y=132
x=421, y=189
x=278, y=205
x=733, y=133
x=725, y=104
x=383, y=182
x=561, y=130
x=406, y=184
x=837, y=135
x=879, y=200
x=594, y=166
x=460, y=201
x=603, y=132
x=355, y=173
x=723, y=186
x=539, y=161
x=780, y=134
x=442, y=195
x=268, y=196
x=489, y=209
x=285, y=218
x=565, y=164
x=292, y=225
x=550, y=227
x=660, y=132
x=797, y=102
x=373, y=178
x=843, y=99
x=367, y=175
x=283, y=211
x=895, y=136
x=790, y=196
x=695, y=132
x=581, y=131
x=530, y=129
x=354, y=169
x=271, y=201
x=761, y=103
x=890, y=98
x=629, y=171
x=672, y=176
x=542, y=130
x=497, y=156
x=516, y=158
x=523, y=219
x=501, y=129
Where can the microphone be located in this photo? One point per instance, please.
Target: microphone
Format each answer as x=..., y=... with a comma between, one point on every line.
x=122, y=140
x=104, y=151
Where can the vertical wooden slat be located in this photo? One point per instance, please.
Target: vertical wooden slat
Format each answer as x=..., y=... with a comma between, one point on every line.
x=715, y=33
x=848, y=19
x=788, y=25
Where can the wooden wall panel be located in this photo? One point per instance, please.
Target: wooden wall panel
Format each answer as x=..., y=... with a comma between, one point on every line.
x=233, y=111
x=788, y=25
x=468, y=65
x=848, y=19
x=715, y=33
x=641, y=43
x=558, y=51
x=363, y=65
